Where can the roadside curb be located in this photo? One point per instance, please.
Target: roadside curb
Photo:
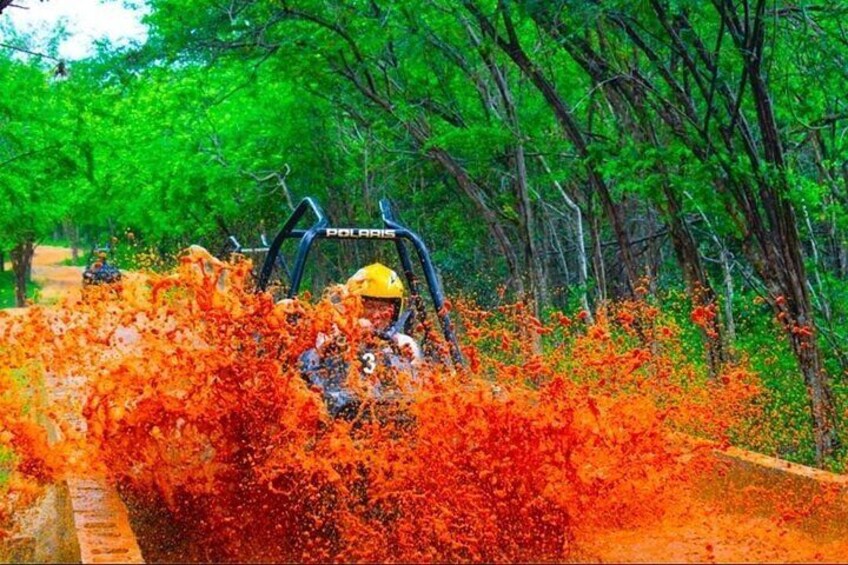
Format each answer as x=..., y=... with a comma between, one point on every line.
x=781, y=465
x=756, y=485
x=102, y=524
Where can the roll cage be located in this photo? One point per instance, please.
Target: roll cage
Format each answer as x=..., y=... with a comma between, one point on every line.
x=391, y=231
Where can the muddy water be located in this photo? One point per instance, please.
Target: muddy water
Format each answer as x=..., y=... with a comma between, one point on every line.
x=560, y=441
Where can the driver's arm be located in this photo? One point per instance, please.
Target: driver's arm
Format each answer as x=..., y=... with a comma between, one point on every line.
x=409, y=346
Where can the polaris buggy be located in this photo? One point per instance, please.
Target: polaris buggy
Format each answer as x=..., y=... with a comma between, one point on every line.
x=329, y=374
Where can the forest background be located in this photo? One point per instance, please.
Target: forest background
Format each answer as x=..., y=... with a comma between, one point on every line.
x=686, y=153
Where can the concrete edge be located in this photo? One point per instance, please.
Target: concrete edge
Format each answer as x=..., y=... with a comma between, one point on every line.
x=782, y=465
x=102, y=524
x=752, y=484
x=732, y=454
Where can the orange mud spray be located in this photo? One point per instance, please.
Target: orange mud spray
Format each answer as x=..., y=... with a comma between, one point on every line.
x=561, y=441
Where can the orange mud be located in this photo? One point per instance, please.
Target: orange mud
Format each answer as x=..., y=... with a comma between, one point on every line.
x=561, y=441
x=704, y=537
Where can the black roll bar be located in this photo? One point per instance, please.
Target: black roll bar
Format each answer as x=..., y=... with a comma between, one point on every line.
x=288, y=231
x=238, y=248
x=392, y=230
x=436, y=293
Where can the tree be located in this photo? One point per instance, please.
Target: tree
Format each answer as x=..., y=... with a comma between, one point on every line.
x=693, y=97
x=33, y=167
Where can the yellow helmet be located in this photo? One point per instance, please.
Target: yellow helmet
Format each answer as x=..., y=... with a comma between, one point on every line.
x=376, y=281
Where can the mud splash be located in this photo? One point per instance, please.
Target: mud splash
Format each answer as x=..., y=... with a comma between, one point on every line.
x=555, y=433
x=26, y=462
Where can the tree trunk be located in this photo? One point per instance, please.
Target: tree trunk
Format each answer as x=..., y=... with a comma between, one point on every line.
x=772, y=241
x=532, y=264
x=598, y=258
x=728, y=298
x=552, y=237
x=782, y=269
x=802, y=338
x=532, y=261
x=72, y=232
x=476, y=195
x=653, y=251
x=843, y=260
x=700, y=289
x=784, y=236
x=626, y=103
x=21, y=266
x=583, y=270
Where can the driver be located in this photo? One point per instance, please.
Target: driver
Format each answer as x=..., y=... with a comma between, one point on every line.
x=381, y=292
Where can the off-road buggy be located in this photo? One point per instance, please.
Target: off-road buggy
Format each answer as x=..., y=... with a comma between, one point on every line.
x=330, y=372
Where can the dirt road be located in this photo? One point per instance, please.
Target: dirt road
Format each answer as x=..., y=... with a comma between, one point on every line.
x=56, y=280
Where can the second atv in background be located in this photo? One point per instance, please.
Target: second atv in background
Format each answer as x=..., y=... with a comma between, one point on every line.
x=99, y=270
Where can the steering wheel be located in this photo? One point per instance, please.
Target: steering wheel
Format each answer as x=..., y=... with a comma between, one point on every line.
x=401, y=325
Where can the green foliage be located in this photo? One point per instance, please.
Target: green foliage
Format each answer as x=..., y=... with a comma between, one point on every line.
x=6, y=463
x=80, y=261
x=36, y=160
x=762, y=345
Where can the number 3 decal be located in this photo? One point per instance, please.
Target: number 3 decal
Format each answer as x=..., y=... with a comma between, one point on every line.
x=369, y=362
